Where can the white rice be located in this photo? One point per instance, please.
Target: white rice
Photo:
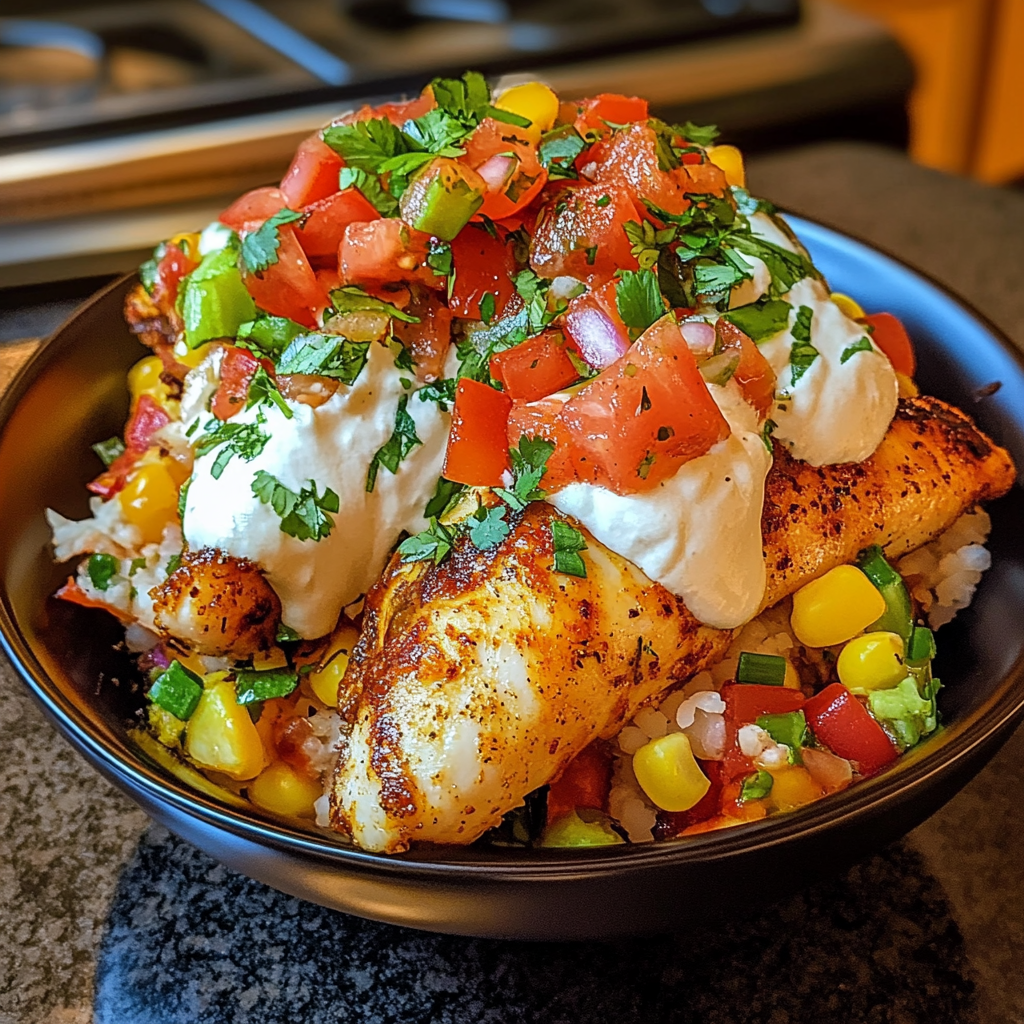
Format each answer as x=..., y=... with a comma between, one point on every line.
x=941, y=576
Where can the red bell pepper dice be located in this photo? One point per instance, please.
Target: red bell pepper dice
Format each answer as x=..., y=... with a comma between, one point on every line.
x=744, y=702
x=846, y=727
x=477, y=452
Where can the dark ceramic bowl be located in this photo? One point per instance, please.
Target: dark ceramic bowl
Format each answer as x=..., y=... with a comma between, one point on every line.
x=72, y=393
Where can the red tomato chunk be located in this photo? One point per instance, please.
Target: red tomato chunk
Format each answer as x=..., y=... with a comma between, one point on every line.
x=322, y=227
x=891, y=337
x=477, y=453
x=535, y=368
x=313, y=174
x=483, y=265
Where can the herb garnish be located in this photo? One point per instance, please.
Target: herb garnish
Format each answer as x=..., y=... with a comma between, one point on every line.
x=304, y=515
x=259, y=247
x=860, y=345
x=762, y=319
x=402, y=441
x=639, y=300
x=568, y=543
x=101, y=569
x=263, y=390
x=352, y=299
x=246, y=440
x=803, y=353
x=109, y=450
x=326, y=355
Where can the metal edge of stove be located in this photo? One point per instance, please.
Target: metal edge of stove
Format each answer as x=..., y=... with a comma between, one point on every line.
x=104, y=204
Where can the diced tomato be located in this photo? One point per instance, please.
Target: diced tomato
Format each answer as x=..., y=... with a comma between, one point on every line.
x=544, y=419
x=846, y=727
x=580, y=233
x=313, y=174
x=477, y=452
x=236, y=372
x=744, y=702
x=594, y=323
x=483, y=265
x=596, y=112
x=73, y=593
x=631, y=157
x=384, y=251
x=584, y=783
x=323, y=224
x=535, y=368
x=146, y=419
x=753, y=373
x=508, y=163
x=288, y=287
x=644, y=416
x=328, y=279
x=396, y=113
x=173, y=266
x=891, y=337
x=428, y=340
x=248, y=212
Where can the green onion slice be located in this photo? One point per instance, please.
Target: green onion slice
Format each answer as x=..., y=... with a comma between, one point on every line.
x=921, y=648
x=765, y=669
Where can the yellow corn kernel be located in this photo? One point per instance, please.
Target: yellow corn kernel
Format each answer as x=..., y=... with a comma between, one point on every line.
x=851, y=307
x=835, y=608
x=908, y=389
x=283, y=790
x=149, y=500
x=144, y=379
x=221, y=735
x=192, y=357
x=792, y=680
x=188, y=243
x=873, y=661
x=669, y=774
x=793, y=787
x=730, y=159
x=325, y=681
x=534, y=101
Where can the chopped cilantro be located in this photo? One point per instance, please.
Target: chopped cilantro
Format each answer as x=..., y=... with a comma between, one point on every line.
x=476, y=349
x=403, y=356
x=286, y=635
x=785, y=267
x=529, y=464
x=304, y=515
x=487, y=305
x=487, y=527
x=252, y=687
x=639, y=300
x=439, y=257
x=803, y=353
x=603, y=201
x=647, y=241
x=268, y=335
x=352, y=298
x=756, y=786
x=766, y=435
x=762, y=319
x=137, y=564
x=326, y=355
x=101, y=568
x=259, y=247
x=183, y=498
x=861, y=345
x=246, y=440
x=440, y=391
x=263, y=390
x=366, y=145
x=558, y=151
x=402, y=441
x=173, y=564
x=109, y=450
x=467, y=97
x=371, y=189
x=433, y=544
x=699, y=135
x=568, y=543
x=445, y=495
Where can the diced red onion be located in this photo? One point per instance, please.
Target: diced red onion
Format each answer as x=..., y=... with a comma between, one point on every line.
x=828, y=771
x=700, y=336
x=496, y=171
x=600, y=340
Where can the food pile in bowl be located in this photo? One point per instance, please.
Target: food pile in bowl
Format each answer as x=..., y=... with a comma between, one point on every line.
x=509, y=474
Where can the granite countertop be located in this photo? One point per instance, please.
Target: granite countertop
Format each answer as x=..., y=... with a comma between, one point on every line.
x=107, y=917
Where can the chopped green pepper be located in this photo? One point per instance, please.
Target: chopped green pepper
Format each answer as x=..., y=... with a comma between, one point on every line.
x=441, y=199
x=756, y=786
x=581, y=827
x=921, y=648
x=216, y=302
x=897, y=617
x=789, y=728
x=177, y=690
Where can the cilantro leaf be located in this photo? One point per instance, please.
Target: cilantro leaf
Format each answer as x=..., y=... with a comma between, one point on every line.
x=263, y=390
x=861, y=345
x=440, y=391
x=285, y=634
x=367, y=145
x=487, y=306
x=326, y=355
x=506, y=116
x=439, y=258
x=762, y=319
x=246, y=440
x=438, y=132
x=714, y=281
x=352, y=298
x=488, y=527
x=529, y=464
x=803, y=353
x=785, y=267
x=568, y=543
x=445, y=494
x=101, y=569
x=433, y=544
x=304, y=515
x=183, y=499
x=558, y=151
x=476, y=349
x=648, y=242
x=259, y=247
x=639, y=300
x=268, y=335
x=467, y=98
x=109, y=450
x=371, y=188
x=699, y=135
x=402, y=441
x=756, y=786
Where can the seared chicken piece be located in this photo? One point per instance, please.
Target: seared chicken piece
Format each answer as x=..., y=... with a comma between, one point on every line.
x=217, y=605
x=476, y=681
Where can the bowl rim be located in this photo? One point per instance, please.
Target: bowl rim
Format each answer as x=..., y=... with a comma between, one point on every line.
x=915, y=771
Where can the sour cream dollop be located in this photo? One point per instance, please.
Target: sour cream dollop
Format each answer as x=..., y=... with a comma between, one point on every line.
x=332, y=446
x=699, y=532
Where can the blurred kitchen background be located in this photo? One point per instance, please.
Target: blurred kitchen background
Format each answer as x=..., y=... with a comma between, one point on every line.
x=125, y=121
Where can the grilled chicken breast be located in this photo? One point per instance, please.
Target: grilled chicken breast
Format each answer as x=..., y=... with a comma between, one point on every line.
x=476, y=681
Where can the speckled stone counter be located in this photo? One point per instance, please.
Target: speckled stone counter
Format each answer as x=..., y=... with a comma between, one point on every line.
x=105, y=917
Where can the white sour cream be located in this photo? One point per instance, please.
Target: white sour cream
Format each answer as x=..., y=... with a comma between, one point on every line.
x=333, y=446
x=697, y=533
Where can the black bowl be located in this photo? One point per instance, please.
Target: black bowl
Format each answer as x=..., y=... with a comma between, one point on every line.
x=72, y=393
